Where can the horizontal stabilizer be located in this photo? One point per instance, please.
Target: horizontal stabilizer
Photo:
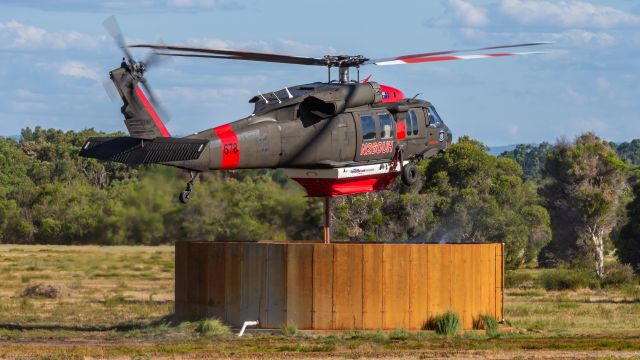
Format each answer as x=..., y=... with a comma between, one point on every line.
x=129, y=150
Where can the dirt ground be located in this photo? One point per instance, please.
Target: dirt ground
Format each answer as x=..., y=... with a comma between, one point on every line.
x=117, y=302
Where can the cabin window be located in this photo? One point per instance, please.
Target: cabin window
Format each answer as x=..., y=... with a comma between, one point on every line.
x=412, y=123
x=407, y=120
x=414, y=120
x=386, y=126
x=368, y=127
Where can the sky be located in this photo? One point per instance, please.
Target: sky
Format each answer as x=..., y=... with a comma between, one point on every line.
x=55, y=57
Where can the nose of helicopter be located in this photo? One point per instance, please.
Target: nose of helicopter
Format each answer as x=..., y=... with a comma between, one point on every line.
x=449, y=135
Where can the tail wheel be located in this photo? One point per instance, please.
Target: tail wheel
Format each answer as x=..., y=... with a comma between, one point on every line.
x=185, y=196
x=409, y=174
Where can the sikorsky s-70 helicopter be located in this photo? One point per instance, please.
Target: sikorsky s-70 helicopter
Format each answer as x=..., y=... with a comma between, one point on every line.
x=334, y=138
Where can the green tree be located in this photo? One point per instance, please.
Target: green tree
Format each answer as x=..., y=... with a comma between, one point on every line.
x=584, y=181
x=481, y=198
x=629, y=151
x=530, y=157
x=395, y=214
x=628, y=241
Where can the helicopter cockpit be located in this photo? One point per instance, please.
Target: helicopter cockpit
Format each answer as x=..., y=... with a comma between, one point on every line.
x=434, y=118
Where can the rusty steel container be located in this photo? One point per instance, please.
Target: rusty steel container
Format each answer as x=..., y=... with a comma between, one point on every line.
x=338, y=286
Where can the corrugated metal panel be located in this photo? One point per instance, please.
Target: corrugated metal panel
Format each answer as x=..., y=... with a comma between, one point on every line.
x=418, y=286
x=372, y=287
x=299, y=285
x=338, y=286
x=198, y=294
x=458, y=281
x=322, y=286
x=395, y=283
x=216, y=269
x=499, y=281
x=233, y=295
x=182, y=283
x=347, y=286
x=275, y=287
x=439, y=279
x=252, y=281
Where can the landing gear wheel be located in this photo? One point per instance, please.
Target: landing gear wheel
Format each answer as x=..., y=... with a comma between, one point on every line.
x=409, y=174
x=185, y=196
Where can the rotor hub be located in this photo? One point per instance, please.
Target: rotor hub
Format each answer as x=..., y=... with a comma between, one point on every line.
x=345, y=60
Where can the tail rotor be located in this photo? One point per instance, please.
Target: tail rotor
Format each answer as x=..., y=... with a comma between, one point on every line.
x=136, y=68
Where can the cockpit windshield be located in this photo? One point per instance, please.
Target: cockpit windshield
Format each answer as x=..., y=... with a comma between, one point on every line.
x=434, y=118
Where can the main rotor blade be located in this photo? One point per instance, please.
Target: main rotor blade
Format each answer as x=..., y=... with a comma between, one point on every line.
x=235, y=55
x=452, y=57
x=112, y=27
x=153, y=58
x=281, y=61
x=409, y=58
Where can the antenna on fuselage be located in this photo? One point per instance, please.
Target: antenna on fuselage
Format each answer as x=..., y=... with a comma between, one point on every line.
x=263, y=98
x=277, y=98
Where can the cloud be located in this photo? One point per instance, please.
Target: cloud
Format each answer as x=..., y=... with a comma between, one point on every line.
x=215, y=43
x=566, y=14
x=78, y=69
x=126, y=6
x=27, y=106
x=567, y=38
x=573, y=24
x=534, y=14
x=303, y=49
x=203, y=96
x=207, y=4
x=462, y=13
x=577, y=37
x=284, y=46
x=605, y=87
x=15, y=35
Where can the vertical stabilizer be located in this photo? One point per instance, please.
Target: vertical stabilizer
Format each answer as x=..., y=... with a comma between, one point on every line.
x=140, y=117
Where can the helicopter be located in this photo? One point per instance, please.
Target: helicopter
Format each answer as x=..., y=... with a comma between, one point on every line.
x=335, y=138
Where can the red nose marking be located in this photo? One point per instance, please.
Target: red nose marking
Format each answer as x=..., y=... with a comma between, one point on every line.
x=392, y=94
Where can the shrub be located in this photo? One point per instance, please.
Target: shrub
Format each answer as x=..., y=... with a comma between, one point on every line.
x=521, y=280
x=446, y=324
x=289, y=330
x=399, y=334
x=567, y=279
x=212, y=327
x=630, y=291
x=617, y=274
x=115, y=300
x=488, y=323
x=43, y=290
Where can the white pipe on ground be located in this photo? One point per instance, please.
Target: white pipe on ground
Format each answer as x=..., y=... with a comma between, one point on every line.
x=248, y=323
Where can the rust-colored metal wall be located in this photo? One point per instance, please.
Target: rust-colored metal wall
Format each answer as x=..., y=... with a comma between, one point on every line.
x=338, y=285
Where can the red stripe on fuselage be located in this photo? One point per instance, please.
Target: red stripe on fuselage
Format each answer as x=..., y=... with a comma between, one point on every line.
x=230, y=147
x=152, y=112
x=402, y=131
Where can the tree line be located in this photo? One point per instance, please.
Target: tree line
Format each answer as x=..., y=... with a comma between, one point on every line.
x=563, y=204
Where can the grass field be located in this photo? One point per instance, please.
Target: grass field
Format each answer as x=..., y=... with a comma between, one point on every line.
x=118, y=301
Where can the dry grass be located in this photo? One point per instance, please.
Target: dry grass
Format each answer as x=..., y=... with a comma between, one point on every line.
x=118, y=302
x=105, y=287
x=609, y=312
